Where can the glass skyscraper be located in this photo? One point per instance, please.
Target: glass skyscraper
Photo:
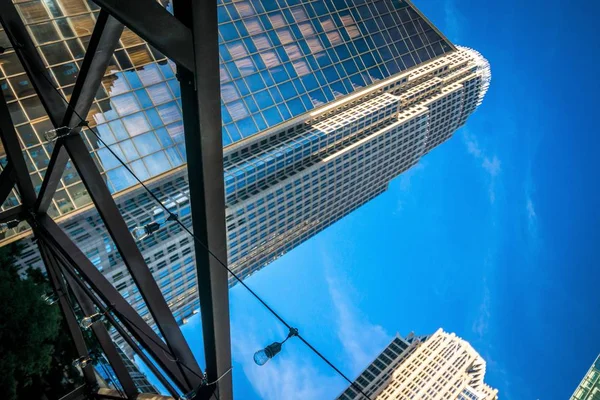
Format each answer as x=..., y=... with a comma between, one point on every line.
x=323, y=103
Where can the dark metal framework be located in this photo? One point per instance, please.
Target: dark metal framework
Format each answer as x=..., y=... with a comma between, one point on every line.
x=190, y=39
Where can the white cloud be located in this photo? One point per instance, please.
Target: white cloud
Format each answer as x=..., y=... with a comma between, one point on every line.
x=361, y=340
x=289, y=376
x=453, y=20
x=530, y=210
x=490, y=164
x=404, y=183
x=480, y=326
x=406, y=177
x=293, y=373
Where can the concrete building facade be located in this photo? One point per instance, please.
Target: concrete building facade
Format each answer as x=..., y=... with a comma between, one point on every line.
x=589, y=388
x=437, y=367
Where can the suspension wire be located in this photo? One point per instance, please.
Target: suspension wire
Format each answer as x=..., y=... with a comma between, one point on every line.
x=175, y=218
x=219, y=378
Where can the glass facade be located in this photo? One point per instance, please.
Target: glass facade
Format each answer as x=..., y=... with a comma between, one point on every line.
x=136, y=110
x=288, y=186
x=279, y=59
x=333, y=98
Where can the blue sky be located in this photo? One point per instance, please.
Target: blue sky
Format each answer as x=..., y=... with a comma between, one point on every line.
x=491, y=236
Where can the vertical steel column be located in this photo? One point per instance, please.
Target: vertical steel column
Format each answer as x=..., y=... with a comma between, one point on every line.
x=201, y=102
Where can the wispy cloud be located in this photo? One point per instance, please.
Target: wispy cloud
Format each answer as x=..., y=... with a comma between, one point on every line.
x=490, y=163
x=531, y=215
x=360, y=339
x=480, y=325
x=292, y=374
x=491, y=166
x=288, y=376
x=405, y=182
x=405, y=178
x=453, y=20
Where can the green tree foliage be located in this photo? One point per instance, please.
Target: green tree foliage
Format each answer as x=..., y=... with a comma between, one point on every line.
x=29, y=327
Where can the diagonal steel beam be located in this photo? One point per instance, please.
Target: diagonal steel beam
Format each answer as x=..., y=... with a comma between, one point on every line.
x=67, y=311
x=68, y=272
x=12, y=147
x=54, y=172
x=12, y=213
x=31, y=61
x=201, y=102
x=156, y=26
x=149, y=340
x=7, y=182
x=102, y=45
x=133, y=259
x=108, y=346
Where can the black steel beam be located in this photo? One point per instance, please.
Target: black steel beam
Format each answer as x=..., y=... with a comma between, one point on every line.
x=133, y=259
x=67, y=311
x=12, y=213
x=147, y=338
x=201, y=102
x=7, y=182
x=108, y=346
x=101, y=47
x=153, y=23
x=12, y=147
x=56, y=167
x=31, y=61
x=124, y=334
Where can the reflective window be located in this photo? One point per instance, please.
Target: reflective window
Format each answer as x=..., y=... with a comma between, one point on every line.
x=327, y=49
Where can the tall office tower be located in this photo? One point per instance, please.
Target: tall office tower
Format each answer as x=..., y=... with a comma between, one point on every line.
x=323, y=103
x=589, y=388
x=377, y=375
x=438, y=367
x=140, y=380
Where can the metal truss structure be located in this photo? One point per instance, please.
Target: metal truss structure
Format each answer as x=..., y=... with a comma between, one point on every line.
x=190, y=39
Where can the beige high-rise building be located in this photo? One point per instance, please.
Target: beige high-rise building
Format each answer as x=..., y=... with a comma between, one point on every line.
x=589, y=388
x=437, y=367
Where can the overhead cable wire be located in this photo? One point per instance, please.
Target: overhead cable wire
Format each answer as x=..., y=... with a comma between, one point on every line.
x=175, y=218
